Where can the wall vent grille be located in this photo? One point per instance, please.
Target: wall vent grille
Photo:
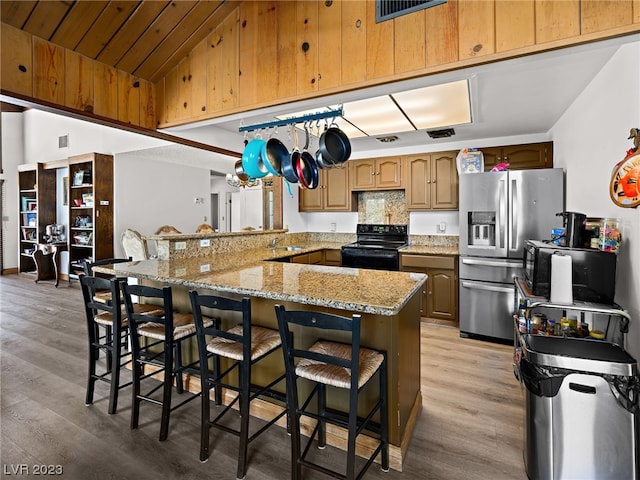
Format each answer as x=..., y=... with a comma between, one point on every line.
x=444, y=133
x=63, y=141
x=388, y=9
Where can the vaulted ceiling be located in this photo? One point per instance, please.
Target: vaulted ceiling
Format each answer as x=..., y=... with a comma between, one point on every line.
x=145, y=38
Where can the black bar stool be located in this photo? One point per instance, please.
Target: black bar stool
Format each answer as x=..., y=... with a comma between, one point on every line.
x=244, y=344
x=332, y=364
x=110, y=317
x=161, y=352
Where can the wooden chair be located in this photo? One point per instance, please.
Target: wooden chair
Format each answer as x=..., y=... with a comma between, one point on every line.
x=205, y=228
x=134, y=246
x=244, y=345
x=167, y=229
x=156, y=344
x=108, y=316
x=331, y=364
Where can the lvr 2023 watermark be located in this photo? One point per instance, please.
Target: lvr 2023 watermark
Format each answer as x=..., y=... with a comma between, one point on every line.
x=26, y=469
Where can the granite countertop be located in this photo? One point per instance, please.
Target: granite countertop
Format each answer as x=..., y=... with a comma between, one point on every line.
x=256, y=272
x=431, y=249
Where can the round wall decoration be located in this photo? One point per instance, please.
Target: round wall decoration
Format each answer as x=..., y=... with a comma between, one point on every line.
x=624, y=187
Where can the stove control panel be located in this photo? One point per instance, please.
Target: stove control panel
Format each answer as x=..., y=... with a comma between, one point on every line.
x=382, y=229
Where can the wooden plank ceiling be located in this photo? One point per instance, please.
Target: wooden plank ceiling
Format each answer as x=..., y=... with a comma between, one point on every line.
x=145, y=38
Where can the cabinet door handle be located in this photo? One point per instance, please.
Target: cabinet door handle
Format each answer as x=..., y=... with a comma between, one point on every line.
x=488, y=288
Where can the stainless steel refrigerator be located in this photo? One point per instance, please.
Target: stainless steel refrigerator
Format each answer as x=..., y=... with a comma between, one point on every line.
x=498, y=212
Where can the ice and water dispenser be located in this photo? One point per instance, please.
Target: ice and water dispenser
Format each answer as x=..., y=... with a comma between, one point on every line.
x=482, y=229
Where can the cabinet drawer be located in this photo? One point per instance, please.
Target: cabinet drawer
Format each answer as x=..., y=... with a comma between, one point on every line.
x=427, y=261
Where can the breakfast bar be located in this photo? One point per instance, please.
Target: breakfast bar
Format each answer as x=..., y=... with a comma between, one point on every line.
x=389, y=303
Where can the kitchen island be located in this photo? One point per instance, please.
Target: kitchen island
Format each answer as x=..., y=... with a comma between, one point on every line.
x=389, y=303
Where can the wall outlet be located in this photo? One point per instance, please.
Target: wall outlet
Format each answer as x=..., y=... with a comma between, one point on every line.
x=205, y=242
x=181, y=245
x=205, y=268
x=332, y=226
x=442, y=227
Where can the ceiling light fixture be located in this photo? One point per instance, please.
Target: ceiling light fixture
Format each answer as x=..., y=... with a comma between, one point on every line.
x=423, y=108
x=387, y=139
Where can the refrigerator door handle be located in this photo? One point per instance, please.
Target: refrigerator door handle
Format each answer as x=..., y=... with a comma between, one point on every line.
x=484, y=286
x=513, y=225
x=502, y=213
x=489, y=263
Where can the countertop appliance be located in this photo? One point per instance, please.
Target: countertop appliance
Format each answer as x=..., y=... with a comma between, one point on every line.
x=376, y=247
x=498, y=212
x=54, y=233
x=581, y=409
x=593, y=271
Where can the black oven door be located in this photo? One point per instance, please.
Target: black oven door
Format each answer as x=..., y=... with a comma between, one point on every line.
x=373, y=258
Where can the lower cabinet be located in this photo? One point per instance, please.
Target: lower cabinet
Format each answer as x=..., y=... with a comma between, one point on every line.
x=312, y=258
x=440, y=292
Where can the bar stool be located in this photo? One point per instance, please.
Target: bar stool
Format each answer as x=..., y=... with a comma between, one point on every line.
x=332, y=364
x=245, y=345
x=109, y=316
x=105, y=295
x=161, y=352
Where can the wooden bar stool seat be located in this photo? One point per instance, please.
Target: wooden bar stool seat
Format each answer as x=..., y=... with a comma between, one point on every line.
x=101, y=315
x=156, y=344
x=244, y=345
x=332, y=364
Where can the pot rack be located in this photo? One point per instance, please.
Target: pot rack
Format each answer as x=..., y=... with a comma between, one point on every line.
x=309, y=117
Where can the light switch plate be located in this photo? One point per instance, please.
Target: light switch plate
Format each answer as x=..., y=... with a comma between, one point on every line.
x=181, y=245
x=205, y=268
x=205, y=242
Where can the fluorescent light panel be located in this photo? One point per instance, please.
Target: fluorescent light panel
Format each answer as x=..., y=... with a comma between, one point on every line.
x=437, y=106
x=376, y=116
x=427, y=108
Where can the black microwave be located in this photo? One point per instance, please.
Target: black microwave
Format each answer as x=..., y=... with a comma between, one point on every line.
x=593, y=271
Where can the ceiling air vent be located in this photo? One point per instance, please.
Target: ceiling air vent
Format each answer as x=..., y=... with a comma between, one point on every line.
x=445, y=132
x=388, y=9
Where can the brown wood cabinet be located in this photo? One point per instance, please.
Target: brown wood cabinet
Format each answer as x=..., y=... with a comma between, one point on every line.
x=432, y=181
x=332, y=257
x=37, y=204
x=383, y=173
x=90, y=209
x=333, y=193
x=440, y=292
x=312, y=258
x=520, y=157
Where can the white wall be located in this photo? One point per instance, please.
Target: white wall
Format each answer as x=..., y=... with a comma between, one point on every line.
x=149, y=194
x=12, y=156
x=42, y=129
x=589, y=139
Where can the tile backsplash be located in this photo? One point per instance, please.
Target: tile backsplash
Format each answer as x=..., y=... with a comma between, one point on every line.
x=388, y=207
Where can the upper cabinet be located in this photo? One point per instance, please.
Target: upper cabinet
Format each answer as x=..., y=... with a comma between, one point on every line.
x=519, y=157
x=432, y=181
x=333, y=193
x=383, y=173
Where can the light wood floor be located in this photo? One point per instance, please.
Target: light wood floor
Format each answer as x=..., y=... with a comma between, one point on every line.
x=470, y=426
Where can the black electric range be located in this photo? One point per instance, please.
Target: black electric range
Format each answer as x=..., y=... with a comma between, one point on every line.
x=376, y=247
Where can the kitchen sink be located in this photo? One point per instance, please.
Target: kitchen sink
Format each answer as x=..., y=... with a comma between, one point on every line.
x=289, y=248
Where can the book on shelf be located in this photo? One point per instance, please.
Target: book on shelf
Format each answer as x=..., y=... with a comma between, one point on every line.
x=30, y=219
x=28, y=203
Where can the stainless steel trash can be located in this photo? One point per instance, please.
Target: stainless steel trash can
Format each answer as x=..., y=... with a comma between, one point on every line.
x=581, y=410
